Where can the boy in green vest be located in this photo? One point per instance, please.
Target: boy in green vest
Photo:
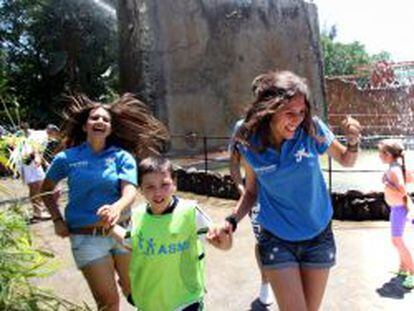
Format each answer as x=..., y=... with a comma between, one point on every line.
x=167, y=267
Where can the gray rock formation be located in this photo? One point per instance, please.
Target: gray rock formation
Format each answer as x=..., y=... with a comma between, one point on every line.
x=193, y=61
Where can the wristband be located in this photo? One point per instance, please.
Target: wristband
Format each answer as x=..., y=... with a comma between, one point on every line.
x=352, y=148
x=57, y=219
x=231, y=219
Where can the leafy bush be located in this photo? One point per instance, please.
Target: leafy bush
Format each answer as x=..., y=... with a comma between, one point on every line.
x=19, y=262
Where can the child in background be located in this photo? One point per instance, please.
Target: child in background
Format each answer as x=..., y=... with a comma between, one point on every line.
x=396, y=196
x=167, y=266
x=236, y=166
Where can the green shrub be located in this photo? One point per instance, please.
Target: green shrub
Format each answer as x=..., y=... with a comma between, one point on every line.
x=19, y=262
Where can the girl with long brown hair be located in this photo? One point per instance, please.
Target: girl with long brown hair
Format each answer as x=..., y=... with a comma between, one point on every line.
x=101, y=173
x=280, y=141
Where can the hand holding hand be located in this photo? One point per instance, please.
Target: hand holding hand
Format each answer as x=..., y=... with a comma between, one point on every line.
x=220, y=237
x=109, y=215
x=352, y=130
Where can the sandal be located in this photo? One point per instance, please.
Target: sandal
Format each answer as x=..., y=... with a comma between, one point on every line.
x=409, y=282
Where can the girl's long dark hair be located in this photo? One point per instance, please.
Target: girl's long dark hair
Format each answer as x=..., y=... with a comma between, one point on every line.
x=134, y=127
x=272, y=91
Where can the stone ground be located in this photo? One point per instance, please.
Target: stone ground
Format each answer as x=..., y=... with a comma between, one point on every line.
x=362, y=279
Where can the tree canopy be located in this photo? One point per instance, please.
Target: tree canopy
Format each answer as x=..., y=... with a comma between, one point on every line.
x=54, y=47
x=345, y=58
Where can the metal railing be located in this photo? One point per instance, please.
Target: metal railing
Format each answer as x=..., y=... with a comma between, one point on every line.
x=208, y=155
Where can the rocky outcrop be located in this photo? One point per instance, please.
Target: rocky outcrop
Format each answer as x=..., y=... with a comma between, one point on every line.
x=352, y=205
x=193, y=61
x=381, y=111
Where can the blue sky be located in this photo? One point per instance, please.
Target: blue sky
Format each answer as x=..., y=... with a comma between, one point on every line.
x=378, y=24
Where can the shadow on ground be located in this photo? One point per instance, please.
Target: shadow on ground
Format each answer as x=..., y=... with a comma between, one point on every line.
x=393, y=288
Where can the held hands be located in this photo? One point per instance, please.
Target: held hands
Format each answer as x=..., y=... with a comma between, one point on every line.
x=109, y=215
x=352, y=130
x=220, y=237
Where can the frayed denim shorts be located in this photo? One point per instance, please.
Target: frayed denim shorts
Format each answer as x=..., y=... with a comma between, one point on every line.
x=90, y=249
x=318, y=252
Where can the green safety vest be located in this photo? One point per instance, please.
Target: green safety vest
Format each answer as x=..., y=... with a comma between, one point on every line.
x=166, y=270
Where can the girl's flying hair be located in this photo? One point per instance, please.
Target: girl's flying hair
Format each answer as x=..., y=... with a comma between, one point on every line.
x=134, y=127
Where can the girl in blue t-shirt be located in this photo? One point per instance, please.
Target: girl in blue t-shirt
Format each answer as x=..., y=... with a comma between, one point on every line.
x=102, y=177
x=280, y=142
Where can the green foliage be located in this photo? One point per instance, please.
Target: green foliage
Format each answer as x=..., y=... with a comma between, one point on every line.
x=19, y=262
x=345, y=58
x=56, y=47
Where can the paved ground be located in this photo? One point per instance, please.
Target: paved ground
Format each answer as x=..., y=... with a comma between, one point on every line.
x=365, y=261
x=362, y=279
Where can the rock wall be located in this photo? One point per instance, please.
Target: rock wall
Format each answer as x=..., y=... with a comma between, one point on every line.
x=352, y=205
x=381, y=111
x=193, y=60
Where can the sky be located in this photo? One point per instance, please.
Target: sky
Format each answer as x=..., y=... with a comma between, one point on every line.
x=381, y=25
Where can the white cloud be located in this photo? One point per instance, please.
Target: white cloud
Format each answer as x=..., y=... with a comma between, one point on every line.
x=378, y=24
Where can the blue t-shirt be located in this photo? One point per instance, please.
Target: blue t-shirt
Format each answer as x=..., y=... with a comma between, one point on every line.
x=294, y=201
x=93, y=179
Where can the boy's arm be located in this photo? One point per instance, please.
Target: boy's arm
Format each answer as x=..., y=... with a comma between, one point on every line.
x=203, y=222
x=121, y=235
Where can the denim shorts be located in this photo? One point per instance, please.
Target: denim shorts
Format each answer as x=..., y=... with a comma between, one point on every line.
x=90, y=249
x=318, y=252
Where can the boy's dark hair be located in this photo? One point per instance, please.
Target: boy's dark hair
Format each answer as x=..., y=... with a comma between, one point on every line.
x=155, y=164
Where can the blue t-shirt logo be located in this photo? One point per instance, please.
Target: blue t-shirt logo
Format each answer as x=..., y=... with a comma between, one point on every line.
x=78, y=164
x=302, y=153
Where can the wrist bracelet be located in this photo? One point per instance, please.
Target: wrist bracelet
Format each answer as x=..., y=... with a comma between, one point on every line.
x=352, y=148
x=57, y=219
x=231, y=219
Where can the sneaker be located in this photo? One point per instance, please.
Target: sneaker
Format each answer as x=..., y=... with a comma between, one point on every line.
x=409, y=282
x=266, y=295
x=402, y=273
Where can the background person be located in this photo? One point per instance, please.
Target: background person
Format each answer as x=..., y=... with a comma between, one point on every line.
x=265, y=292
x=281, y=141
x=52, y=145
x=391, y=152
x=32, y=173
x=101, y=176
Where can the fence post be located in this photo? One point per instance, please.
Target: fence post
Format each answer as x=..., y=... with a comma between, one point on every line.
x=205, y=154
